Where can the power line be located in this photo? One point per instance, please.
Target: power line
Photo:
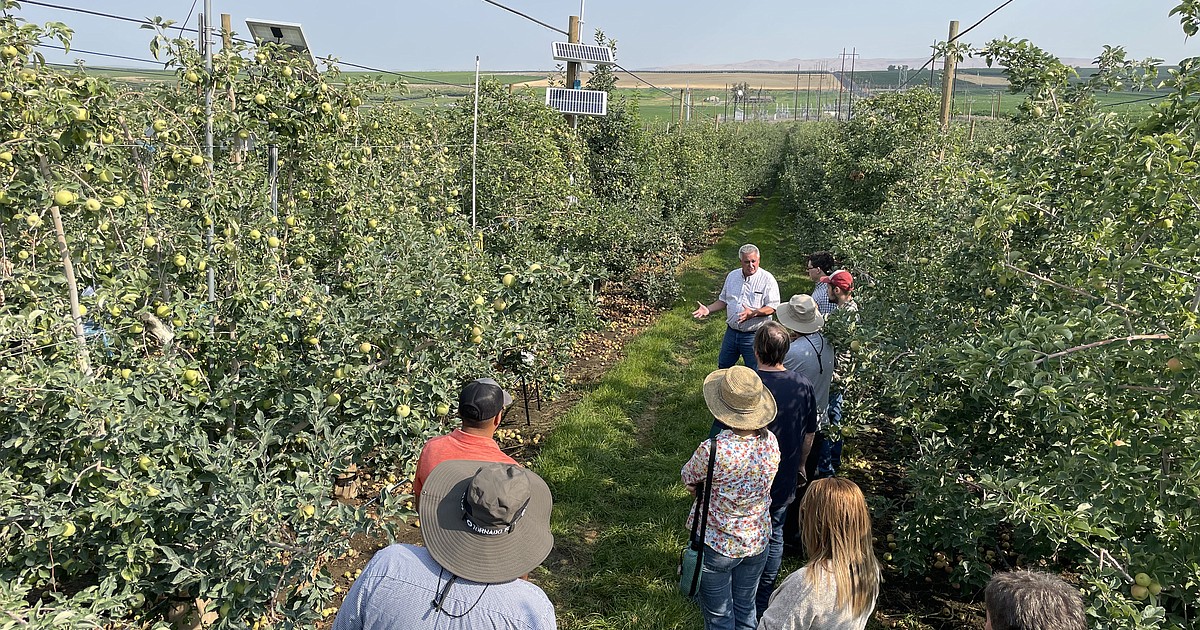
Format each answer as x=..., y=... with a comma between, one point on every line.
x=670, y=93
x=1138, y=100
x=188, y=18
x=100, y=54
x=401, y=74
x=531, y=19
x=95, y=13
x=956, y=37
x=192, y=30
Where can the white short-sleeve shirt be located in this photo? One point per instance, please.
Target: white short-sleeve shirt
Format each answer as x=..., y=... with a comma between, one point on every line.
x=755, y=291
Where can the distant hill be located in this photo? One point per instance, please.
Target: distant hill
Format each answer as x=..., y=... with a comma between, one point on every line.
x=832, y=63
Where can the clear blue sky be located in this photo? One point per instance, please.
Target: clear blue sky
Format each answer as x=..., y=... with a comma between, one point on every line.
x=447, y=34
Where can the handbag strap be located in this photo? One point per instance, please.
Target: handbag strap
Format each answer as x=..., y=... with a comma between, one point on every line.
x=701, y=513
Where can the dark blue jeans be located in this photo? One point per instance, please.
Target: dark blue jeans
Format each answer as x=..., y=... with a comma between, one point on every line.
x=829, y=445
x=766, y=583
x=735, y=344
x=727, y=587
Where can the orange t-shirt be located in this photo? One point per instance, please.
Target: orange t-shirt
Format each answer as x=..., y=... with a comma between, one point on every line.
x=457, y=445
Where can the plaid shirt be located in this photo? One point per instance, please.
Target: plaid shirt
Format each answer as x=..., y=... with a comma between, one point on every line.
x=820, y=295
x=396, y=587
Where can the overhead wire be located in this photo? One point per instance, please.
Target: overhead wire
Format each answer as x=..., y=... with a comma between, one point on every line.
x=188, y=18
x=955, y=38
x=1138, y=100
x=531, y=19
x=100, y=54
x=670, y=93
x=401, y=74
x=183, y=28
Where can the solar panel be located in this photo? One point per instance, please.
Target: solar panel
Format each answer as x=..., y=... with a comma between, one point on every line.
x=582, y=102
x=289, y=34
x=585, y=53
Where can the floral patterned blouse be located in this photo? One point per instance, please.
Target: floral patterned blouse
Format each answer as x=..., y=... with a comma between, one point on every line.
x=739, y=521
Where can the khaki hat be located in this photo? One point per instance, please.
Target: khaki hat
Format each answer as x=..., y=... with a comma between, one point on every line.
x=737, y=397
x=800, y=314
x=484, y=521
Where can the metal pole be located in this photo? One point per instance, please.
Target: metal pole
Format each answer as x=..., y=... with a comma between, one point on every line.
x=475, y=144
x=206, y=42
x=807, y=95
x=796, y=96
x=273, y=177
x=841, y=85
x=850, y=104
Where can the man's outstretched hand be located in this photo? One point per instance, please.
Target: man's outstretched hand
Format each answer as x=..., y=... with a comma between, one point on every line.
x=701, y=312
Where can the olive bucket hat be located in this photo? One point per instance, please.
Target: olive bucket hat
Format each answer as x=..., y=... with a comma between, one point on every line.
x=485, y=521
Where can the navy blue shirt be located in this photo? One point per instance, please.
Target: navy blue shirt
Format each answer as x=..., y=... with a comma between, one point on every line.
x=796, y=417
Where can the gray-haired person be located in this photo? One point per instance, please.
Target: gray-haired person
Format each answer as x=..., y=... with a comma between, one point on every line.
x=749, y=298
x=1027, y=600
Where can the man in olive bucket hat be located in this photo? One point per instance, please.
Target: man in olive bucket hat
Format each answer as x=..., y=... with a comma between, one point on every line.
x=486, y=525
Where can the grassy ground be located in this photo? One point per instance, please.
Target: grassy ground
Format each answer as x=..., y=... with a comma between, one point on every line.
x=613, y=461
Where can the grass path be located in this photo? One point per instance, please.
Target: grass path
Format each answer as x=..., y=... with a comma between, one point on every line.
x=613, y=460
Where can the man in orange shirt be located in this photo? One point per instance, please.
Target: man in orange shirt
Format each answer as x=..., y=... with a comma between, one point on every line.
x=480, y=406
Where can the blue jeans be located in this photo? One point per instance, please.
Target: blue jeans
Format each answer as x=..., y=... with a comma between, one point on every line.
x=727, y=588
x=829, y=447
x=735, y=344
x=766, y=583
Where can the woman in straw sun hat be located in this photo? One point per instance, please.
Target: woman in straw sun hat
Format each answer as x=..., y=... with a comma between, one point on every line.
x=739, y=523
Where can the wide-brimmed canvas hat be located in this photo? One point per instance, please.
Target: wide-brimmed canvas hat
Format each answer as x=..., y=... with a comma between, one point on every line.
x=737, y=397
x=485, y=521
x=800, y=314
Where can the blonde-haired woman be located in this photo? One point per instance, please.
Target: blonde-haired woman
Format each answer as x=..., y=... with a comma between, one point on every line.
x=838, y=587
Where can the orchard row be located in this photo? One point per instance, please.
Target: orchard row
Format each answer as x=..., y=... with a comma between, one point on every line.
x=1029, y=328
x=194, y=348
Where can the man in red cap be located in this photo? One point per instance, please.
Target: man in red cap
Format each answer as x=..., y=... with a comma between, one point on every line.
x=829, y=445
x=481, y=405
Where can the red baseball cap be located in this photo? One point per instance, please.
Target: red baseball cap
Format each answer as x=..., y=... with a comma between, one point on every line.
x=840, y=279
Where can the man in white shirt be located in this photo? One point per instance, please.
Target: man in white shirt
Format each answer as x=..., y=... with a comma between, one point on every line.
x=749, y=298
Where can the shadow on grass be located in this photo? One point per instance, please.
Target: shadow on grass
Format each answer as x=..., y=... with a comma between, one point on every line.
x=613, y=461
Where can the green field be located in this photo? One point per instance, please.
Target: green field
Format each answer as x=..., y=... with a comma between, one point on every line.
x=976, y=92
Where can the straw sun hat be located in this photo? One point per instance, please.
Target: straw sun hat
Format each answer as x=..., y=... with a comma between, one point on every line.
x=737, y=398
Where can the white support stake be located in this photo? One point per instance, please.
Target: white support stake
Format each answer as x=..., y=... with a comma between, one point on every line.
x=475, y=143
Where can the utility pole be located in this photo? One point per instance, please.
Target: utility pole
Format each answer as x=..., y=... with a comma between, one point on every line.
x=841, y=85
x=807, y=94
x=796, y=96
x=681, y=104
x=948, y=75
x=850, y=105
x=821, y=87
x=726, y=101
x=572, y=66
